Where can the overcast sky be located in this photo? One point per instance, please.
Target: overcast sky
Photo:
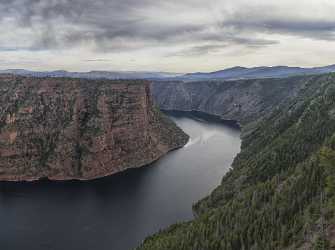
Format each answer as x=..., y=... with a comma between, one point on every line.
x=169, y=35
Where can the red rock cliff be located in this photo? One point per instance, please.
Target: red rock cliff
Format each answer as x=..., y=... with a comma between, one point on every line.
x=79, y=129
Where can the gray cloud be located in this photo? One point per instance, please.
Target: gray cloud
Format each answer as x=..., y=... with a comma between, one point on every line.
x=166, y=29
x=98, y=60
x=112, y=25
x=318, y=29
x=199, y=50
x=67, y=22
x=214, y=48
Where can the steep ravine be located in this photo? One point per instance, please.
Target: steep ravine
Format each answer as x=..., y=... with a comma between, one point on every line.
x=62, y=129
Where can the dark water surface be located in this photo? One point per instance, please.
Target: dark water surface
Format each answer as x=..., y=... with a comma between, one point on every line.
x=118, y=212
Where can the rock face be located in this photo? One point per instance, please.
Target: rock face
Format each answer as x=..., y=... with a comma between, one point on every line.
x=243, y=100
x=61, y=129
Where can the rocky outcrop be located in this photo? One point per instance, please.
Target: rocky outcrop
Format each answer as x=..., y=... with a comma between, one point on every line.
x=62, y=129
x=244, y=101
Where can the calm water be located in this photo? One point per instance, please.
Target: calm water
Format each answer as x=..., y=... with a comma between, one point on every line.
x=117, y=212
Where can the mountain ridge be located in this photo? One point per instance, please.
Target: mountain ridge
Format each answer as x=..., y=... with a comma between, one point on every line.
x=238, y=72
x=233, y=73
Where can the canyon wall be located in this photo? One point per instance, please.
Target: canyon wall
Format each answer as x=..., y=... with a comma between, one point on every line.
x=244, y=101
x=62, y=129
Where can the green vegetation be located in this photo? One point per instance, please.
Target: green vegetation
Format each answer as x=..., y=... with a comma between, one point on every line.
x=281, y=191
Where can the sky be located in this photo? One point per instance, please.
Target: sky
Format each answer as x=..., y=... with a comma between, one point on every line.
x=170, y=35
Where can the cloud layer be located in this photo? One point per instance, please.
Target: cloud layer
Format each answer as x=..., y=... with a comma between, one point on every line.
x=149, y=34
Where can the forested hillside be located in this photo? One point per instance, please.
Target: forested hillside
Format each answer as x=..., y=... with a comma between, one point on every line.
x=281, y=191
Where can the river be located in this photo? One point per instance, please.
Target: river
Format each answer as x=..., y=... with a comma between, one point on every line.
x=118, y=212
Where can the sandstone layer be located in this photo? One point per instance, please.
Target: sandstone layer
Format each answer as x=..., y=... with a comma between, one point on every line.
x=63, y=129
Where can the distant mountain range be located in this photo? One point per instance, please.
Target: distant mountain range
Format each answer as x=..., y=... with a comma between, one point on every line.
x=259, y=72
x=234, y=73
x=92, y=74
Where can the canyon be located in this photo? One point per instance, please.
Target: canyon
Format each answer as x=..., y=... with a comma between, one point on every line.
x=280, y=191
x=62, y=129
